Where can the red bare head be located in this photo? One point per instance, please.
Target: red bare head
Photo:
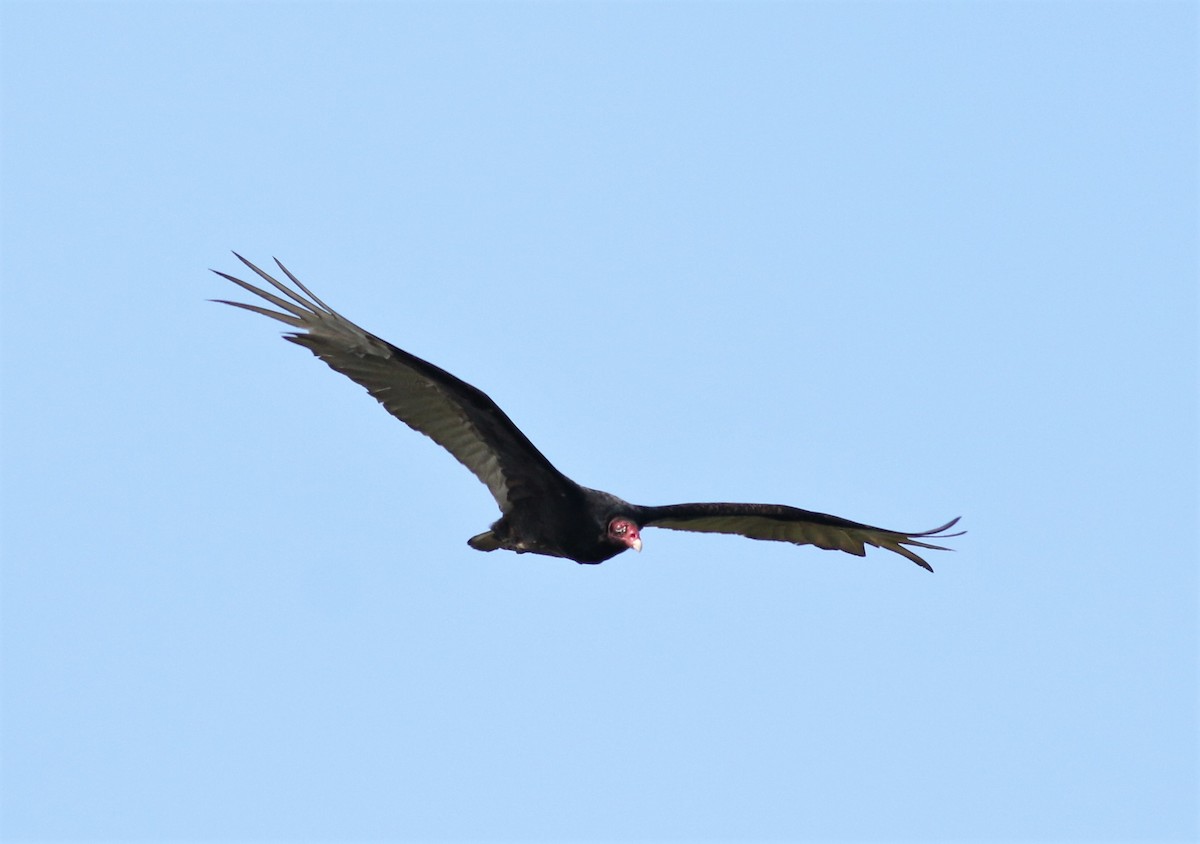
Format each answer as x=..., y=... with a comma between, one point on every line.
x=624, y=531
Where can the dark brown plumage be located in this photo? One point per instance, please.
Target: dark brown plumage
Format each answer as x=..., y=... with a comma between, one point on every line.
x=542, y=510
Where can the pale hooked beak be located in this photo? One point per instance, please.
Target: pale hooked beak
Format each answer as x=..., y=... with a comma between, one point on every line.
x=636, y=545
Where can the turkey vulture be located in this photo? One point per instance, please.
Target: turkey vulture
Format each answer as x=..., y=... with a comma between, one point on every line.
x=542, y=510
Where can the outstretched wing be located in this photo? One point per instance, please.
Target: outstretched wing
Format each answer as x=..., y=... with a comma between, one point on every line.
x=790, y=524
x=455, y=415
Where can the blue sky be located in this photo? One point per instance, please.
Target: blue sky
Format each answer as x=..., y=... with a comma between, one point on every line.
x=898, y=262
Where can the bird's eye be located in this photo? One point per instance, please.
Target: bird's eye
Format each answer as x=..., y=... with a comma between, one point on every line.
x=620, y=530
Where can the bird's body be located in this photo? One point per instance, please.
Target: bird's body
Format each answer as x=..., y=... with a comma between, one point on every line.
x=572, y=524
x=542, y=510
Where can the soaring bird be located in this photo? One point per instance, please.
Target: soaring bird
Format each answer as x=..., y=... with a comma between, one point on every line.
x=542, y=511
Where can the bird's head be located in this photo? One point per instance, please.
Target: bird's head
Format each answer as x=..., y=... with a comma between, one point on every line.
x=622, y=531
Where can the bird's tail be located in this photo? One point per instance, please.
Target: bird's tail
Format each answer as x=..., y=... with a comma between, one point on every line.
x=486, y=541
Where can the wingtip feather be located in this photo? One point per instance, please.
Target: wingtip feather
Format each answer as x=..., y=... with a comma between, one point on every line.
x=899, y=545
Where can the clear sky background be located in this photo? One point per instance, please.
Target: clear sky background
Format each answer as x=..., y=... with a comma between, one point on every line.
x=898, y=262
